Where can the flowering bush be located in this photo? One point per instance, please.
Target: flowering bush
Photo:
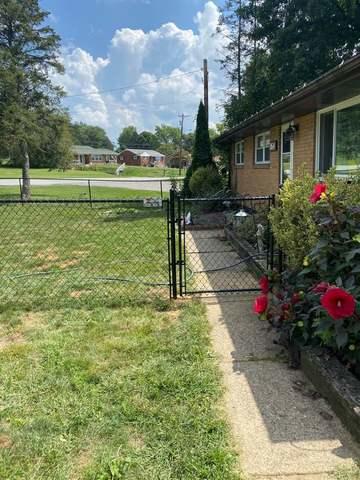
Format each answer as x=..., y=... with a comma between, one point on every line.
x=319, y=303
x=293, y=221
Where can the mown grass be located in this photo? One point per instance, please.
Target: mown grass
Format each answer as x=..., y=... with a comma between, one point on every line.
x=109, y=394
x=101, y=376
x=79, y=193
x=98, y=171
x=348, y=473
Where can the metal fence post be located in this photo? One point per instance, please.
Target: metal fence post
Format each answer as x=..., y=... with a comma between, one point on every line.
x=161, y=188
x=173, y=243
x=180, y=221
x=90, y=196
x=20, y=187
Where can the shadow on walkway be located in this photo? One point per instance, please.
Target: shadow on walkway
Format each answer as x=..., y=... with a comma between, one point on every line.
x=282, y=428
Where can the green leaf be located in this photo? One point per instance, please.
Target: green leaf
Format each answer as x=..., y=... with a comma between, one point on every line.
x=350, y=282
x=339, y=282
x=342, y=338
x=350, y=255
x=345, y=235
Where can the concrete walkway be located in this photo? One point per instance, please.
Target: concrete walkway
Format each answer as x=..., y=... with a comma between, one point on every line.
x=281, y=428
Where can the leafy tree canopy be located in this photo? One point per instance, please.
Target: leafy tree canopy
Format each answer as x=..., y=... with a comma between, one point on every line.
x=167, y=134
x=90, y=135
x=128, y=137
x=278, y=45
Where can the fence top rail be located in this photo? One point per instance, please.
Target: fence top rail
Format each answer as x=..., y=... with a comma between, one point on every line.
x=82, y=179
x=228, y=199
x=74, y=201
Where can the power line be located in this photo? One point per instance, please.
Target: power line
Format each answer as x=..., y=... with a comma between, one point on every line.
x=146, y=106
x=134, y=85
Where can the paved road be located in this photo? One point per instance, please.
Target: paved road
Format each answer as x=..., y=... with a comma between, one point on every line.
x=133, y=183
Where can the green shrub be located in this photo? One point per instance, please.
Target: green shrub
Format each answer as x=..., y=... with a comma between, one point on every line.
x=292, y=220
x=206, y=181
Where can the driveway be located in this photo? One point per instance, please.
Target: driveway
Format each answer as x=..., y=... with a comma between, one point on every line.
x=132, y=183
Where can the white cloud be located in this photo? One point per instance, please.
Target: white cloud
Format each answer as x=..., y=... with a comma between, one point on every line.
x=149, y=59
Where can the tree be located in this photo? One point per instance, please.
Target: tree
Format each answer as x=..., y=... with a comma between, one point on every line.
x=150, y=140
x=257, y=91
x=90, y=135
x=188, y=141
x=29, y=51
x=202, y=153
x=306, y=38
x=168, y=149
x=232, y=25
x=285, y=43
x=167, y=134
x=55, y=149
x=128, y=137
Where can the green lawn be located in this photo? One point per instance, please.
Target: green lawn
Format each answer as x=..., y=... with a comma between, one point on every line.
x=78, y=192
x=102, y=377
x=103, y=171
x=109, y=394
x=347, y=473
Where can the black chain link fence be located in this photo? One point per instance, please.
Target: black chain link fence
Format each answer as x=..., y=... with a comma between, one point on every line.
x=75, y=252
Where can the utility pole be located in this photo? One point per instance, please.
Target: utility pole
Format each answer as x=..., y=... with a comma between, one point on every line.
x=206, y=88
x=182, y=117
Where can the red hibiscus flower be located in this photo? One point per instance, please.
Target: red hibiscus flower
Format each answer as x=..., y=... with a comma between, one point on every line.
x=338, y=303
x=260, y=304
x=319, y=189
x=264, y=284
x=321, y=287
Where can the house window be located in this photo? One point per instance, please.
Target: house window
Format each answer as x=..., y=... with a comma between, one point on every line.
x=239, y=153
x=262, y=148
x=135, y=157
x=339, y=138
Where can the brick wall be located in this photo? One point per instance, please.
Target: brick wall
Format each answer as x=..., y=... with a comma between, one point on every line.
x=128, y=158
x=304, y=144
x=253, y=179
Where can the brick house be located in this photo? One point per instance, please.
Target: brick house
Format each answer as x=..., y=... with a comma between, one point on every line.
x=85, y=155
x=142, y=158
x=316, y=127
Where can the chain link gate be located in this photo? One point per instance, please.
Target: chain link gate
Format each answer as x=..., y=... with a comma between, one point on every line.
x=219, y=245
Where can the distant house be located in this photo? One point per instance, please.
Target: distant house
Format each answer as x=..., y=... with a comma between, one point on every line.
x=174, y=160
x=316, y=127
x=142, y=158
x=85, y=155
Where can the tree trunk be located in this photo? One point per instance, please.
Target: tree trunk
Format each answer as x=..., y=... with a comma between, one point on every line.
x=26, y=186
x=239, y=52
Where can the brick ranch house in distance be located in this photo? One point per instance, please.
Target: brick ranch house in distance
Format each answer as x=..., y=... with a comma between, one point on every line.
x=84, y=155
x=143, y=158
x=316, y=127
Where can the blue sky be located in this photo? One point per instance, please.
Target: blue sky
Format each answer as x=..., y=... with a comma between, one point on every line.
x=109, y=44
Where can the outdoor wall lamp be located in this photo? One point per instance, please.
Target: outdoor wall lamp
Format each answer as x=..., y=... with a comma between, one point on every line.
x=290, y=132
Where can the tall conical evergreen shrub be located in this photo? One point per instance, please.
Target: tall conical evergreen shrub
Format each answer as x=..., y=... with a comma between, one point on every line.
x=202, y=154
